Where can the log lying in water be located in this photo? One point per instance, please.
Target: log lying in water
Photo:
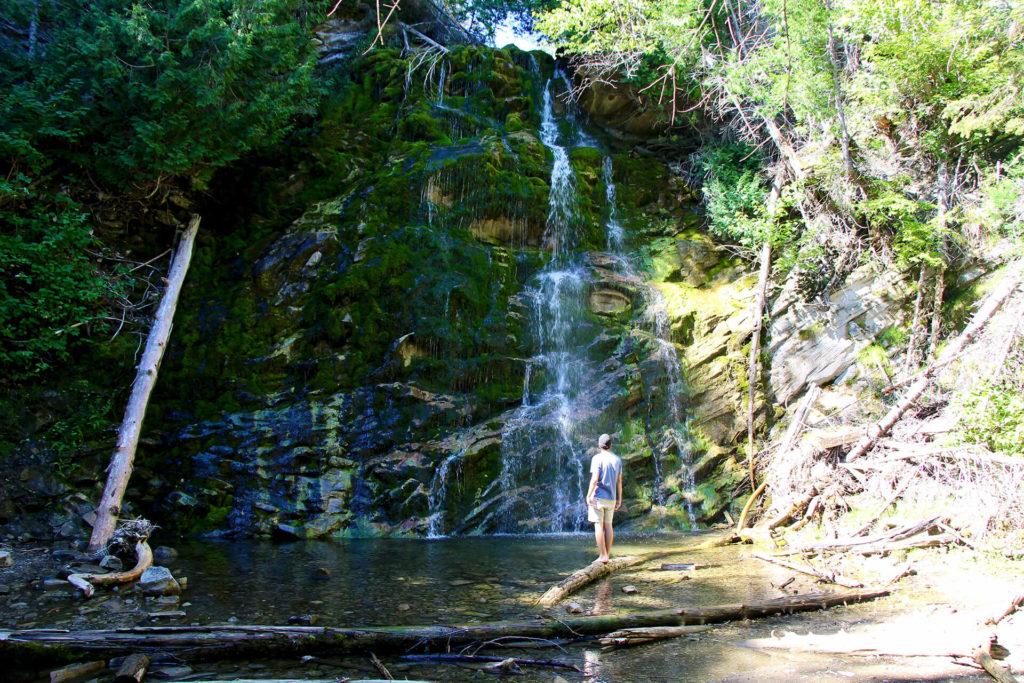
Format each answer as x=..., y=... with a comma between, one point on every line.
x=592, y=572
x=224, y=642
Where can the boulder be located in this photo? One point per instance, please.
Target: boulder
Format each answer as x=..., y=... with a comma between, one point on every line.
x=157, y=581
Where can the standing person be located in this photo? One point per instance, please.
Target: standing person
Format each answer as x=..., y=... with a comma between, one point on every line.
x=604, y=496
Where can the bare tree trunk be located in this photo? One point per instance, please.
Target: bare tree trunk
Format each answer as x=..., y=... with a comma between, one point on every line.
x=910, y=362
x=833, y=59
x=759, y=306
x=755, y=347
x=120, y=469
x=940, y=288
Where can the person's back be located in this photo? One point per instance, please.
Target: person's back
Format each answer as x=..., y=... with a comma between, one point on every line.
x=604, y=495
x=608, y=467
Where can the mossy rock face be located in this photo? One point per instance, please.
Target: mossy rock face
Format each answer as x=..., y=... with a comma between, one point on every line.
x=350, y=354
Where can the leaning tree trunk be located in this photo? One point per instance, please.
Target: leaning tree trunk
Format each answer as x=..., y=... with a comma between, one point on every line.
x=120, y=469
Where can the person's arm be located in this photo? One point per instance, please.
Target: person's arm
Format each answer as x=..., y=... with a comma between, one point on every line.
x=593, y=487
x=618, y=491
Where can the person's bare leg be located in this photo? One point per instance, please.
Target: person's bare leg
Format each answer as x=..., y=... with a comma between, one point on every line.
x=599, y=537
x=609, y=536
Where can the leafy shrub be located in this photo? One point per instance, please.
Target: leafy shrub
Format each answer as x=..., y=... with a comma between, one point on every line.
x=49, y=288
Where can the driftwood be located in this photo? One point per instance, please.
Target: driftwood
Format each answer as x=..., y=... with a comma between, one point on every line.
x=481, y=659
x=77, y=672
x=589, y=574
x=988, y=309
x=797, y=508
x=133, y=669
x=132, y=532
x=630, y=637
x=987, y=657
x=35, y=647
x=859, y=543
x=86, y=582
x=823, y=574
x=120, y=469
x=1015, y=605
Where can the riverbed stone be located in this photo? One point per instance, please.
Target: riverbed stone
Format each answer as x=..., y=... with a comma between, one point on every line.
x=112, y=563
x=6, y=559
x=164, y=555
x=158, y=581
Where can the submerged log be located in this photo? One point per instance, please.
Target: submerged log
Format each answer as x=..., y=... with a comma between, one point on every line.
x=198, y=643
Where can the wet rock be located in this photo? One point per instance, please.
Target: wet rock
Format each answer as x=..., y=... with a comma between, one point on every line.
x=6, y=559
x=321, y=574
x=52, y=583
x=158, y=581
x=305, y=620
x=112, y=563
x=169, y=672
x=574, y=608
x=287, y=531
x=167, y=600
x=404, y=607
x=164, y=555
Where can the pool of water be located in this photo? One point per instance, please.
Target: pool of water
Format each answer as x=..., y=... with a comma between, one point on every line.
x=450, y=581
x=370, y=582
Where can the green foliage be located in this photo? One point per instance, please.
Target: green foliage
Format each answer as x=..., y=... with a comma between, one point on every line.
x=164, y=88
x=736, y=197
x=49, y=286
x=993, y=412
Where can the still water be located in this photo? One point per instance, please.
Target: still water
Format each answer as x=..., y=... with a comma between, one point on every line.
x=373, y=582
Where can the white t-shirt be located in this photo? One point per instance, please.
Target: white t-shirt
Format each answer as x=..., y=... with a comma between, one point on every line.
x=609, y=469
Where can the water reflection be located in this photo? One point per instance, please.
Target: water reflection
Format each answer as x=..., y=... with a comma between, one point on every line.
x=368, y=582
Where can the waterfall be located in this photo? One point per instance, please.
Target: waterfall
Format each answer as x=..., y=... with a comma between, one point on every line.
x=656, y=313
x=545, y=444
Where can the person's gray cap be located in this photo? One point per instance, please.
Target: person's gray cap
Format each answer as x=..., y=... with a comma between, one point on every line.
x=604, y=441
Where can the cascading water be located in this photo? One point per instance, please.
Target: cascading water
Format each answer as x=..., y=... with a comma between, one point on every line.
x=544, y=443
x=656, y=313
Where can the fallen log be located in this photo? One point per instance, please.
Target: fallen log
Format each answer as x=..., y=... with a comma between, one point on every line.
x=87, y=582
x=197, y=643
x=855, y=542
x=481, y=659
x=988, y=660
x=824, y=575
x=121, y=462
x=77, y=672
x=589, y=574
x=631, y=637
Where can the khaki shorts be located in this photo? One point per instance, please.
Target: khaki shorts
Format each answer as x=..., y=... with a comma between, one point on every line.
x=601, y=511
